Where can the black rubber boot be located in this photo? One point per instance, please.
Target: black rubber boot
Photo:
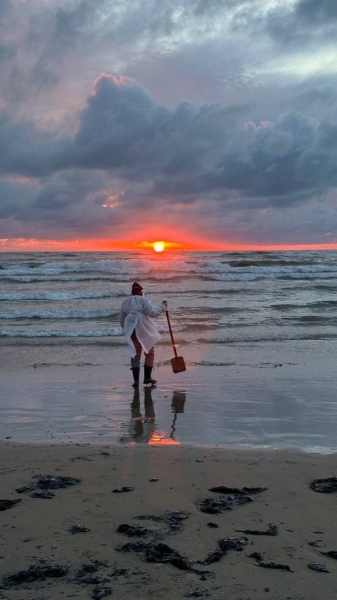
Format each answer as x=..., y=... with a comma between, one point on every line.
x=147, y=376
x=136, y=377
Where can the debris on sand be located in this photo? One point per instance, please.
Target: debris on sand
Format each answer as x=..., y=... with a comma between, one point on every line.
x=256, y=556
x=325, y=486
x=7, y=504
x=215, y=506
x=212, y=557
x=43, y=494
x=101, y=593
x=331, y=553
x=233, y=543
x=51, y=482
x=44, y=483
x=123, y=490
x=133, y=530
x=92, y=567
x=119, y=573
x=213, y=525
x=245, y=491
x=316, y=543
x=25, y=489
x=174, y=521
x=78, y=529
x=272, y=530
x=197, y=594
x=318, y=567
x=272, y=565
x=87, y=574
x=162, y=553
x=232, y=498
x=225, y=545
x=38, y=572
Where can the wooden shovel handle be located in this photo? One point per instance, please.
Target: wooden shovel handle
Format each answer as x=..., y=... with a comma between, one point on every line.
x=171, y=334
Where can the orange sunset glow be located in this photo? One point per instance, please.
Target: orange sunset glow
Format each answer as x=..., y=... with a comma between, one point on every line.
x=158, y=439
x=110, y=245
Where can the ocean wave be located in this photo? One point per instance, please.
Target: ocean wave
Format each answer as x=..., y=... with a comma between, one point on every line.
x=80, y=295
x=276, y=338
x=307, y=305
x=167, y=268
x=115, y=332
x=65, y=278
x=49, y=314
x=271, y=275
x=23, y=333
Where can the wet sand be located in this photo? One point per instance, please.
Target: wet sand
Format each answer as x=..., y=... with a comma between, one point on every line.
x=36, y=528
x=271, y=397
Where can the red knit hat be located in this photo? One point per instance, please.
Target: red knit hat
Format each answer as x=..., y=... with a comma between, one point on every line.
x=137, y=289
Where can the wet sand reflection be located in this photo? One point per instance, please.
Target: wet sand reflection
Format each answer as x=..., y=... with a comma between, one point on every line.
x=143, y=427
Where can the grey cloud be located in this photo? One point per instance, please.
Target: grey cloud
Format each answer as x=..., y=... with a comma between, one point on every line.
x=67, y=201
x=200, y=148
x=304, y=23
x=7, y=52
x=26, y=150
x=312, y=11
x=192, y=149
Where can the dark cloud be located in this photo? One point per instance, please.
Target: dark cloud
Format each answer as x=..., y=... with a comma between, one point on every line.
x=304, y=23
x=322, y=12
x=6, y=52
x=191, y=149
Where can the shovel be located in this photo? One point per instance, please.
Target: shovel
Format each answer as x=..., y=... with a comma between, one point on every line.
x=178, y=363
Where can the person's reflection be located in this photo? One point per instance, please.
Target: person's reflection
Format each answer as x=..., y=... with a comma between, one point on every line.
x=143, y=428
x=177, y=406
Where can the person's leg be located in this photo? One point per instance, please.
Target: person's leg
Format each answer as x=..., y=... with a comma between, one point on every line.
x=135, y=362
x=148, y=366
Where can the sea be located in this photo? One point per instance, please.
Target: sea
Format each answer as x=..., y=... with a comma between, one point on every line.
x=257, y=331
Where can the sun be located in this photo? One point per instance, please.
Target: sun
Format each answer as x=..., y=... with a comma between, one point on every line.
x=159, y=246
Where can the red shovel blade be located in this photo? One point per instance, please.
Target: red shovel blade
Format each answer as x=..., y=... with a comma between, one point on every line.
x=178, y=364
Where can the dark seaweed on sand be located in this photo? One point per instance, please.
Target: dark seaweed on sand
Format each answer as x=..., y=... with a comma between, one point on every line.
x=133, y=530
x=173, y=520
x=37, y=572
x=101, y=593
x=78, y=529
x=331, y=554
x=162, y=553
x=272, y=530
x=325, y=486
x=7, y=504
x=45, y=495
x=318, y=567
x=214, y=506
x=232, y=498
x=272, y=565
x=51, y=482
x=245, y=491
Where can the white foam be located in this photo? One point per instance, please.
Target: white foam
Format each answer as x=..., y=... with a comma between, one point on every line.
x=23, y=333
x=61, y=296
x=48, y=314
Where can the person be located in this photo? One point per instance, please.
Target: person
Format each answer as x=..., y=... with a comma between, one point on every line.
x=140, y=332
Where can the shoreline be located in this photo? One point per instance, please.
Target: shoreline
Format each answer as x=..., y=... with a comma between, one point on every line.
x=37, y=528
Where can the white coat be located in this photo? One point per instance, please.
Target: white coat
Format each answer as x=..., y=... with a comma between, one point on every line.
x=135, y=315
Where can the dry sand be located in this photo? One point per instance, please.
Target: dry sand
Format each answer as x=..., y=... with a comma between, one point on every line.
x=39, y=529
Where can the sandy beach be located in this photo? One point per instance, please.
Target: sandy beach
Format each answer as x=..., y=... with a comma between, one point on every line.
x=166, y=479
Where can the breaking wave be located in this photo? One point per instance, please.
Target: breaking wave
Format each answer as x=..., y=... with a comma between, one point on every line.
x=80, y=295
x=48, y=314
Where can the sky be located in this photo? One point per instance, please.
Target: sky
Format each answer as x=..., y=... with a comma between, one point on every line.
x=207, y=123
